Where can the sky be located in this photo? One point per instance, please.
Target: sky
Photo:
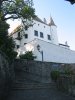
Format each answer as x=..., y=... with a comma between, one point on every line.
x=63, y=14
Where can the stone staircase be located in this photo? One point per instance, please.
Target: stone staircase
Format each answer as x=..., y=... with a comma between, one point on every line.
x=22, y=81
x=34, y=85
x=25, y=88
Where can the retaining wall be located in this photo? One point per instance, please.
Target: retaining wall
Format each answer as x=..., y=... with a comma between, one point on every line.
x=6, y=76
x=37, y=70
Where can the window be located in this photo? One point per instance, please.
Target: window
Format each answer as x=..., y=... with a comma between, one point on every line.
x=17, y=46
x=25, y=43
x=18, y=34
x=49, y=37
x=26, y=27
x=41, y=34
x=26, y=36
x=35, y=33
x=44, y=26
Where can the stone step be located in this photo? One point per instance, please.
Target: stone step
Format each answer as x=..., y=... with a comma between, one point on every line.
x=18, y=86
x=19, y=80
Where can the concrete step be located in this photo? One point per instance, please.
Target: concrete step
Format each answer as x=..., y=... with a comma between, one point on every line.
x=18, y=86
x=25, y=80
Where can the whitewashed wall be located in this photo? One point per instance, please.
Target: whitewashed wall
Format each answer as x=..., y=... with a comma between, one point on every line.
x=53, y=30
x=53, y=53
x=30, y=36
x=51, y=49
x=40, y=27
x=15, y=35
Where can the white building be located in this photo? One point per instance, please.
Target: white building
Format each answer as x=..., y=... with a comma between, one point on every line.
x=42, y=39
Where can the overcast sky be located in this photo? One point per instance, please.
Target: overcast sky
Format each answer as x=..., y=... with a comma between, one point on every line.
x=63, y=14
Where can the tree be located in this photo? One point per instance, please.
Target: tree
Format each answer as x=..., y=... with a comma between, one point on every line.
x=7, y=44
x=16, y=9
x=71, y=1
x=28, y=55
x=12, y=9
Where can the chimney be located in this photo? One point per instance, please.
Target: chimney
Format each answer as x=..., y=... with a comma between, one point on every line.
x=45, y=21
x=66, y=43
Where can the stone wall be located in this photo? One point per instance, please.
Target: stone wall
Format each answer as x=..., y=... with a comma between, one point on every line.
x=36, y=70
x=3, y=72
x=6, y=71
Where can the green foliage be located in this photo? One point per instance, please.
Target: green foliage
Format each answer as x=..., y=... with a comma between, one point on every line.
x=28, y=55
x=68, y=72
x=68, y=69
x=55, y=75
x=71, y=1
x=16, y=9
x=27, y=12
x=7, y=44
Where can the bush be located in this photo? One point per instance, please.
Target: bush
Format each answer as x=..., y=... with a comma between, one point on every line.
x=28, y=55
x=68, y=70
x=55, y=75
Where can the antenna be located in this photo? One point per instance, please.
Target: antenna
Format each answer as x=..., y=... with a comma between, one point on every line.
x=50, y=17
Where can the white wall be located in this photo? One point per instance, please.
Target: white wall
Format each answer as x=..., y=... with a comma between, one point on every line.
x=15, y=35
x=47, y=30
x=30, y=36
x=40, y=27
x=53, y=30
x=54, y=53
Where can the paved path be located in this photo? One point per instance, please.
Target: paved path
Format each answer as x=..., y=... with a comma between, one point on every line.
x=47, y=93
x=39, y=94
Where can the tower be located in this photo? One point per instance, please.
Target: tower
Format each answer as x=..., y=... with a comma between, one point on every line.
x=53, y=31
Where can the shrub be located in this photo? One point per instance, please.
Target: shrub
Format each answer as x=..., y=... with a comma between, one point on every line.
x=68, y=70
x=28, y=55
x=55, y=75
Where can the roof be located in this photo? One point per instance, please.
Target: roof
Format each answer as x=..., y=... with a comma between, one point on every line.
x=16, y=30
x=51, y=22
x=39, y=20
x=64, y=45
